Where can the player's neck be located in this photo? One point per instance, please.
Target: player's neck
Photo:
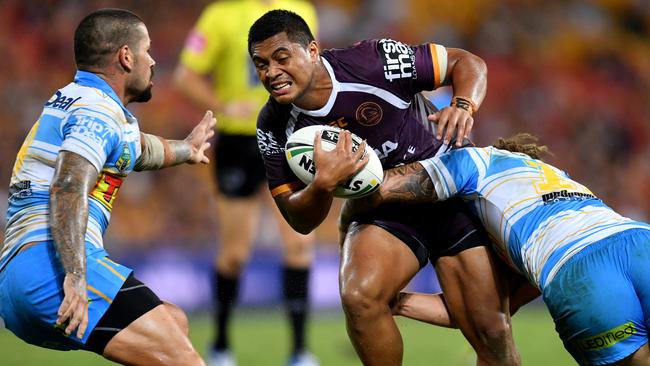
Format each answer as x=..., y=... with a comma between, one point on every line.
x=318, y=93
x=115, y=81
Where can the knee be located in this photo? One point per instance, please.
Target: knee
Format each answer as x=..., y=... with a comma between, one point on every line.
x=179, y=317
x=231, y=262
x=495, y=339
x=184, y=357
x=298, y=252
x=360, y=302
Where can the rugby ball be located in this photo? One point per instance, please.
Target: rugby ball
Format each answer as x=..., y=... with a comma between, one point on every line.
x=300, y=156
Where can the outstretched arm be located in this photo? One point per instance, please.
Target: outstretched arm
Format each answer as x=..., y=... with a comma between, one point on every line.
x=158, y=153
x=432, y=308
x=74, y=178
x=427, y=308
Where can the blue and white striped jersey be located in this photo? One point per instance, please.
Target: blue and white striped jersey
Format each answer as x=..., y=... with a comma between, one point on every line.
x=85, y=117
x=536, y=215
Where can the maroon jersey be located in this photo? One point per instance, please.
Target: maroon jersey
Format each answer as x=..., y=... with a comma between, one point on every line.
x=375, y=95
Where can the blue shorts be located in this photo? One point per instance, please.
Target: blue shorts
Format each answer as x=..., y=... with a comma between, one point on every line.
x=31, y=292
x=600, y=299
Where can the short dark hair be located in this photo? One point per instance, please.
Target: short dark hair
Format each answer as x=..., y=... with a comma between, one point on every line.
x=278, y=21
x=102, y=33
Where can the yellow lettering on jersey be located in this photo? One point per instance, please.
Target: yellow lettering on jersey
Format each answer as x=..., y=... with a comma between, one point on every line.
x=23, y=149
x=550, y=181
x=106, y=188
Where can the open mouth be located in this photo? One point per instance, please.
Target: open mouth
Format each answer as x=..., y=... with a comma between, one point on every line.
x=279, y=87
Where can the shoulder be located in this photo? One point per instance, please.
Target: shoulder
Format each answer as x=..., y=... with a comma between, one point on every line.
x=94, y=103
x=374, y=61
x=272, y=125
x=357, y=62
x=274, y=115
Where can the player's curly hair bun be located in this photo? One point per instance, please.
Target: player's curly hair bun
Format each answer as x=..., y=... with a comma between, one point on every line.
x=523, y=143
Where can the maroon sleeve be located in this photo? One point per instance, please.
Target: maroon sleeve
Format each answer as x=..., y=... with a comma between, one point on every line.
x=271, y=139
x=399, y=68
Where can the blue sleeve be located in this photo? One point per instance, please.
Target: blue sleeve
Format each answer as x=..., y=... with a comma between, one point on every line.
x=91, y=135
x=454, y=173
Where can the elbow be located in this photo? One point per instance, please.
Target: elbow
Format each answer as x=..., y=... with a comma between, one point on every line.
x=300, y=226
x=302, y=229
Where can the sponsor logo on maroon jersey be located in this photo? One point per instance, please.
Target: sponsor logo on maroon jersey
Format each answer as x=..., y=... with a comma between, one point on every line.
x=267, y=143
x=369, y=114
x=398, y=59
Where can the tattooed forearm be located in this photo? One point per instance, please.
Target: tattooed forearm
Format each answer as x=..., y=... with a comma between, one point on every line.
x=407, y=183
x=74, y=177
x=176, y=152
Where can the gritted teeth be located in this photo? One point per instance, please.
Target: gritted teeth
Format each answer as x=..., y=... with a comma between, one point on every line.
x=281, y=86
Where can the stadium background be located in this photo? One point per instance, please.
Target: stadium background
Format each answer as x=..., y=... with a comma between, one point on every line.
x=575, y=73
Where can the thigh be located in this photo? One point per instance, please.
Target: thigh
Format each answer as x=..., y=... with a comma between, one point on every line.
x=475, y=290
x=375, y=262
x=153, y=339
x=132, y=301
x=35, y=296
x=238, y=219
x=595, y=306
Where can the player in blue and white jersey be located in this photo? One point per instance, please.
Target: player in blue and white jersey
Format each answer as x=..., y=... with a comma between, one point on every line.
x=589, y=263
x=58, y=287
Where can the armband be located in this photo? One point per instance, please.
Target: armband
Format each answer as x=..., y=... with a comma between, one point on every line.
x=464, y=103
x=153, y=153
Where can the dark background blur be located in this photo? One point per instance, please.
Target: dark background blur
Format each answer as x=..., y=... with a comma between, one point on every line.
x=575, y=73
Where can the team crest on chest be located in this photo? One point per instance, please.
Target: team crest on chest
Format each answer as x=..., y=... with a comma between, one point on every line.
x=124, y=160
x=369, y=114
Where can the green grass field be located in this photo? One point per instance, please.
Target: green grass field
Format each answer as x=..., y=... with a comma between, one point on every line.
x=261, y=338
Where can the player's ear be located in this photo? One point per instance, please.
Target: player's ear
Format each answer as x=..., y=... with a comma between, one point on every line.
x=125, y=58
x=313, y=50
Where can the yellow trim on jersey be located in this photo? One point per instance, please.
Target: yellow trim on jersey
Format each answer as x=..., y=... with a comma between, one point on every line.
x=22, y=153
x=111, y=261
x=436, y=65
x=288, y=187
x=511, y=207
x=109, y=109
x=575, y=233
x=439, y=62
x=99, y=293
x=112, y=270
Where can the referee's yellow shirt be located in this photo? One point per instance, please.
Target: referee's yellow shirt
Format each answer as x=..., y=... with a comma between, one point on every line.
x=217, y=46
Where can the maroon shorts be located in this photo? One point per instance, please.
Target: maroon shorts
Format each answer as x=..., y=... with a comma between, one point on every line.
x=431, y=230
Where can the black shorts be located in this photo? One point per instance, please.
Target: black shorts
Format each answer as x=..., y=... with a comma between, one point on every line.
x=431, y=230
x=132, y=301
x=239, y=167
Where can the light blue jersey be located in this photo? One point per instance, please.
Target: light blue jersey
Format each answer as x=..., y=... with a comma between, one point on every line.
x=85, y=117
x=589, y=262
x=536, y=215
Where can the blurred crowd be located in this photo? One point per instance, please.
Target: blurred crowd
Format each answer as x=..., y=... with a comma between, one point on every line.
x=575, y=73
